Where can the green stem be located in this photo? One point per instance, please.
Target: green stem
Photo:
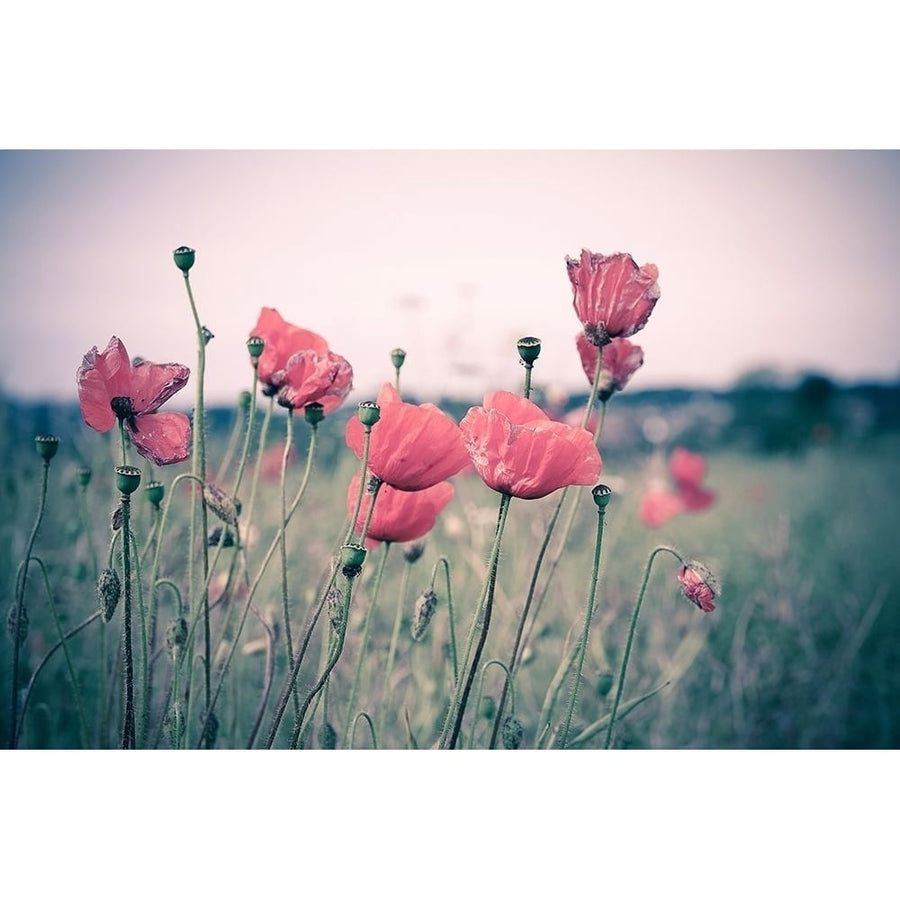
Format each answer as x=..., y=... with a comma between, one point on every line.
x=446, y=564
x=248, y=435
x=128, y=724
x=392, y=649
x=588, y=616
x=507, y=681
x=485, y=607
x=368, y=720
x=20, y=604
x=285, y=605
x=634, y=620
x=527, y=389
x=364, y=643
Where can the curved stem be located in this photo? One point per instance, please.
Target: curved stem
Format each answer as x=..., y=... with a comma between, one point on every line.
x=485, y=607
x=282, y=545
x=364, y=643
x=368, y=720
x=20, y=604
x=507, y=682
x=634, y=619
x=392, y=649
x=589, y=614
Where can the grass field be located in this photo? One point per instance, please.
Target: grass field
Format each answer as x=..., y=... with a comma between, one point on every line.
x=801, y=651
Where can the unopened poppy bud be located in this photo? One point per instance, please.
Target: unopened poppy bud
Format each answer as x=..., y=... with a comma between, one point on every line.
x=511, y=733
x=352, y=558
x=699, y=585
x=46, y=446
x=115, y=520
x=155, y=492
x=207, y=335
x=398, y=357
x=314, y=413
x=184, y=258
x=220, y=503
x=211, y=731
x=373, y=483
x=413, y=552
x=83, y=476
x=488, y=707
x=423, y=611
x=218, y=536
x=327, y=736
x=601, y=494
x=335, y=601
x=255, y=347
x=109, y=589
x=529, y=349
x=17, y=625
x=176, y=635
x=245, y=399
x=369, y=413
x=127, y=479
x=605, y=682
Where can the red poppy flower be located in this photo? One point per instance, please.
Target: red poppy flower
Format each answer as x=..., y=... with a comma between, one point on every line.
x=412, y=447
x=399, y=515
x=699, y=585
x=613, y=296
x=518, y=450
x=309, y=377
x=658, y=506
x=110, y=389
x=282, y=340
x=688, y=471
x=621, y=359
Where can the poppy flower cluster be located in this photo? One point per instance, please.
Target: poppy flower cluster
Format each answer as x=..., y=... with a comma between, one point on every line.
x=687, y=471
x=111, y=389
x=298, y=366
x=517, y=449
x=612, y=295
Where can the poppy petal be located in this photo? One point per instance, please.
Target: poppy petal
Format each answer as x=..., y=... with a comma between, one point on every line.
x=163, y=438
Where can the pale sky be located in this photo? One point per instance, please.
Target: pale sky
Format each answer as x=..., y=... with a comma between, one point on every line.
x=781, y=258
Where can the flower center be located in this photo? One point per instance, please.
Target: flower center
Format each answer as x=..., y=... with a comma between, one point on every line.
x=122, y=407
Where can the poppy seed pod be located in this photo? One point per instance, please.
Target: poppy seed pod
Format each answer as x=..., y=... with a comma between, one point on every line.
x=155, y=492
x=352, y=558
x=601, y=494
x=313, y=413
x=398, y=357
x=529, y=349
x=46, y=446
x=184, y=258
x=255, y=347
x=127, y=479
x=369, y=413
x=83, y=476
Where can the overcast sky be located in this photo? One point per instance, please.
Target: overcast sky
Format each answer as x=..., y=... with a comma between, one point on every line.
x=781, y=258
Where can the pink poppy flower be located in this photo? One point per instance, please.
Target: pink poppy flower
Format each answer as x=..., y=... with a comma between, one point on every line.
x=658, y=506
x=411, y=447
x=699, y=585
x=613, y=296
x=282, y=340
x=399, y=515
x=111, y=389
x=310, y=377
x=688, y=471
x=621, y=359
x=518, y=450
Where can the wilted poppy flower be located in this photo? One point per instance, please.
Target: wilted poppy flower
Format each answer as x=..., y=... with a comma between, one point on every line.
x=613, y=296
x=399, y=515
x=282, y=340
x=412, y=447
x=111, y=389
x=518, y=450
x=699, y=585
x=309, y=377
x=621, y=359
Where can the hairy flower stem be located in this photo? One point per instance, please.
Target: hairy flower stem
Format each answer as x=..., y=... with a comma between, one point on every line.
x=248, y=435
x=20, y=603
x=123, y=441
x=285, y=605
x=589, y=614
x=364, y=643
x=526, y=392
x=128, y=724
x=634, y=620
x=483, y=615
x=507, y=681
x=198, y=503
x=392, y=649
x=443, y=561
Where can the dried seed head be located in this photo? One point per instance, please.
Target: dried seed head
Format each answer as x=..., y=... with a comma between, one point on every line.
x=423, y=611
x=109, y=589
x=17, y=626
x=511, y=733
x=327, y=736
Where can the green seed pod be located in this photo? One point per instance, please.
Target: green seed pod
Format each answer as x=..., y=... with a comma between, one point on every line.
x=184, y=258
x=127, y=479
x=511, y=733
x=327, y=737
x=155, y=492
x=83, y=476
x=423, y=611
x=529, y=349
x=314, y=413
x=398, y=357
x=601, y=494
x=255, y=347
x=207, y=335
x=17, y=626
x=369, y=413
x=605, y=681
x=46, y=446
x=109, y=589
x=352, y=558
x=488, y=707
